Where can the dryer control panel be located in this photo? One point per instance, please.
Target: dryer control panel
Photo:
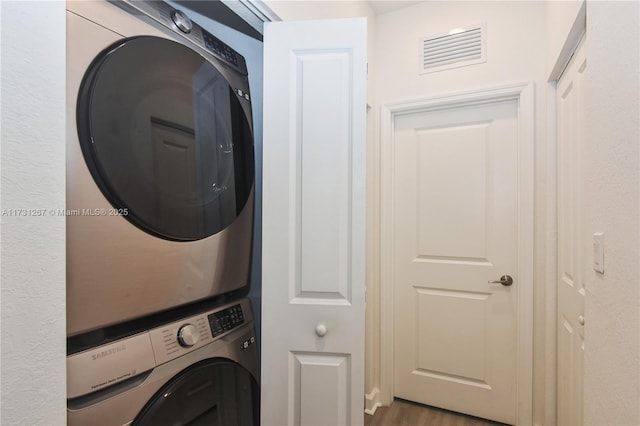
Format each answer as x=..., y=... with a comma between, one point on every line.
x=178, y=22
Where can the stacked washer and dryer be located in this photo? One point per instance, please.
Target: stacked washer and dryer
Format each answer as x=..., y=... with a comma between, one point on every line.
x=160, y=189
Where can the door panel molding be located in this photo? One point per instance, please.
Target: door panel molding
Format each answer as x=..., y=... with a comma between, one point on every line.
x=524, y=94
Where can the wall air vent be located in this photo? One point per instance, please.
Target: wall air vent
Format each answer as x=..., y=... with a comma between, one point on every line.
x=457, y=48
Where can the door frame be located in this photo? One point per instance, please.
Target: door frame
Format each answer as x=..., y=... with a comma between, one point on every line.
x=523, y=93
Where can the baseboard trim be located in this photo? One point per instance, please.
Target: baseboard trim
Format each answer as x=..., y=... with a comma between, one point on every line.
x=372, y=401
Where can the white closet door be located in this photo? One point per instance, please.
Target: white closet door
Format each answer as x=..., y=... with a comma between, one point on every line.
x=313, y=277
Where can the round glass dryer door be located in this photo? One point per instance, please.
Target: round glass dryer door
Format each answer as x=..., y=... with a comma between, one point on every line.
x=165, y=138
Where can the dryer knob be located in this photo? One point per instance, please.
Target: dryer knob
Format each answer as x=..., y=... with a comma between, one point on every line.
x=182, y=21
x=188, y=335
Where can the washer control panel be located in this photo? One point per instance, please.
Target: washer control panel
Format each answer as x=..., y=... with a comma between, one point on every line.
x=176, y=339
x=179, y=338
x=105, y=365
x=226, y=320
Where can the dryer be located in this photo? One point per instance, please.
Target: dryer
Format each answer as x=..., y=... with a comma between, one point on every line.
x=160, y=164
x=199, y=370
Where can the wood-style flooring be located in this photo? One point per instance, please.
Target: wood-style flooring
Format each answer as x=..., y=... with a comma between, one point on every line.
x=407, y=413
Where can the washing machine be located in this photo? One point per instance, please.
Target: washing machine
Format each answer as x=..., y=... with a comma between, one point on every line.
x=198, y=370
x=160, y=164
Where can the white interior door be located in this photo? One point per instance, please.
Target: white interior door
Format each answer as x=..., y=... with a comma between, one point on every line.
x=571, y=285
x=314, y=223
x=455, y=229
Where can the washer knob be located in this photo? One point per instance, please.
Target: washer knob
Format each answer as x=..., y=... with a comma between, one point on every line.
x=182, y=21
x=188, y=335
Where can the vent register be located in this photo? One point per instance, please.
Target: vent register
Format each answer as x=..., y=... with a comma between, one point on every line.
x=459, y=48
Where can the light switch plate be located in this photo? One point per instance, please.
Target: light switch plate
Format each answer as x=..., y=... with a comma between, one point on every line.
x=598, y=252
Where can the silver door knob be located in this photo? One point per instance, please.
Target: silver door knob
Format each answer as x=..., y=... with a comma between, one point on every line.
x=505, y=280
x=321, y=330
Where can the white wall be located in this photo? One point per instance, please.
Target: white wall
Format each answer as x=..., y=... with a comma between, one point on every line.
x=611, y=193
x=295, y=10
x=516, y=52
x=33, y=248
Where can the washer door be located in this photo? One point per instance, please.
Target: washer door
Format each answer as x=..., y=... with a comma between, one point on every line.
x=165, y=138
x=212, y=392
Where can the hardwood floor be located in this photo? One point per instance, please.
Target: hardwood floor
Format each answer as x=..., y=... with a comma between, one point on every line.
x=407, y=413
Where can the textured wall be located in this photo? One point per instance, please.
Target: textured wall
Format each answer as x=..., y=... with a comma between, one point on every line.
x=33, y=247
x=612, y=311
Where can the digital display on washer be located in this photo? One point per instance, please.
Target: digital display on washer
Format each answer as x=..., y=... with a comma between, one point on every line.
x=225, y=320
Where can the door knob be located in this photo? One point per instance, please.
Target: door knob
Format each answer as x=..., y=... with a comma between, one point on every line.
x=321, y=330
x=505, y=280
